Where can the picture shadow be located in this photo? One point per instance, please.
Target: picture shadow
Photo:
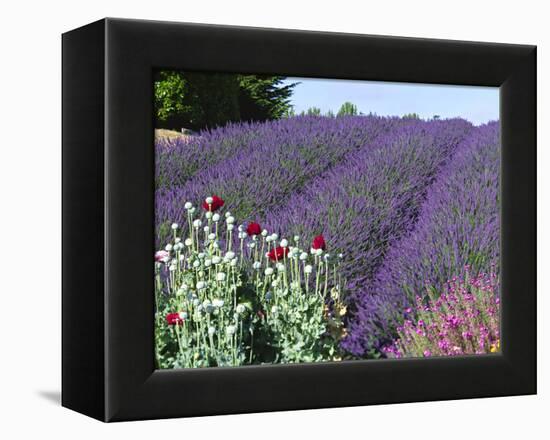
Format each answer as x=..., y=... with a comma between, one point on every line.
x=51, y=396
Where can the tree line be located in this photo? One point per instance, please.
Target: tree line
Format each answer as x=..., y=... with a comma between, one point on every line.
x=196, y=101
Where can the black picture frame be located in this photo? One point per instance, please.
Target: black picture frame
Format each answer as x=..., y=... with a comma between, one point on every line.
x=108, y=224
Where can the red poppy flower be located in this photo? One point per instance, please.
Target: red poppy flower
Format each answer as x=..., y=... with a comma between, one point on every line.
x=319, y=243
x=253, y=229
x=217, y=203
x=278, y=253
x=173, y=319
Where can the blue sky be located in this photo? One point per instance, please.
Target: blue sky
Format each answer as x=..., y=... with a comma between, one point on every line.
x=476, y=104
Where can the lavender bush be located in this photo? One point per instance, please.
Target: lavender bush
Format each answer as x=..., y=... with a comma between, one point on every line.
x=269, y=166
x=457, y=227
x=178, y=159
x=368, y=202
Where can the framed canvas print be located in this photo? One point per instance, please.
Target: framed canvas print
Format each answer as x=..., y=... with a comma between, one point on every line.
x=263, y=219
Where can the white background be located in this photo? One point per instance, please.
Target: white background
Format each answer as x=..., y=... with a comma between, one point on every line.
x=30, y=215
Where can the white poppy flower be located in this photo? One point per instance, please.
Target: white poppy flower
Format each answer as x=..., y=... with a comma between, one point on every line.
x=230, y=329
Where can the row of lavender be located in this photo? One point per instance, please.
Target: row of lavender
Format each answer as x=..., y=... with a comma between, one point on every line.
x=456, y=236
x=257, y=167
x=366, y=184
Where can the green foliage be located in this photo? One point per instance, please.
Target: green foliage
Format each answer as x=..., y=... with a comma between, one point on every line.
x=312, y=111
x=263, y=97
x=411, y=116
x=347, y=109
x=169, y=89
x=206, y=100
x=289, y=113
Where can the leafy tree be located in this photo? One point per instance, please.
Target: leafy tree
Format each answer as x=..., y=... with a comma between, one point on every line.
x=289, y=113
x=169, y=90
x=411, y=116
x=347, y=108
x=312, y=111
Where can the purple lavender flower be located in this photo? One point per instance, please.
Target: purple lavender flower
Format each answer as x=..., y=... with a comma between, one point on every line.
x=458, y=226
x=272, y=162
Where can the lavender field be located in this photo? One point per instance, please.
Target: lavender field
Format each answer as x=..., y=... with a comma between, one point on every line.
x=321, y=238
